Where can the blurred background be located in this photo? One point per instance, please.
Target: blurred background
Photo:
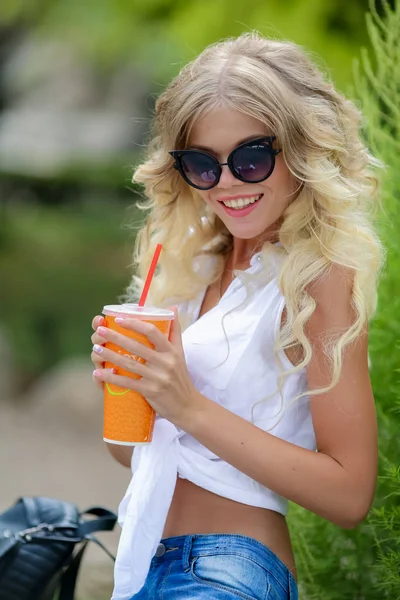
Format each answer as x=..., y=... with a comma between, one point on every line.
x=78, y=82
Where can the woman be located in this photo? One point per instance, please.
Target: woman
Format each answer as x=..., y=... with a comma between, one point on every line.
x=261, y=191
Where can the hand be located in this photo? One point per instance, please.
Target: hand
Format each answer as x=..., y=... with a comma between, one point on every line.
x=164, y=379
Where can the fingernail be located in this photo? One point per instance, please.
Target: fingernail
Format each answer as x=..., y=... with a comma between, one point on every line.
x=119, y=320
x=102, y=330
x=98, y=349
x=100, y=372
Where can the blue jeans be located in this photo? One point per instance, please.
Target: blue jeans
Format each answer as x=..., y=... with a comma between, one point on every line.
x=216, y=567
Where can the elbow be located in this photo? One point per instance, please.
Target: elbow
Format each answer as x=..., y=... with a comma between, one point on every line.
x=355, y=513
x=122, y=454
x=350, y=523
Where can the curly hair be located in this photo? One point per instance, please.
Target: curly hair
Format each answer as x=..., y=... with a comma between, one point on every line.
x=329, y=223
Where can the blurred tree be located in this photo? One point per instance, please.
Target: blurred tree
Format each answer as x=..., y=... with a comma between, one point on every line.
x=160, y=35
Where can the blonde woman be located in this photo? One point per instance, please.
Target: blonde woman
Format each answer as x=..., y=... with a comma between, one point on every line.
x=262, y=193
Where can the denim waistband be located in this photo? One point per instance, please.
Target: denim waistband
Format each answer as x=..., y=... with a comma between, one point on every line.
x=185, y=547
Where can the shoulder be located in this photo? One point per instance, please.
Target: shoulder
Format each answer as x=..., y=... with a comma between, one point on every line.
x=334, y=314
x=332, y=294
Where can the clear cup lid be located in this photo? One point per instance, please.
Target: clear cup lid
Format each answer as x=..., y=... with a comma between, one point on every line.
x=134, y=310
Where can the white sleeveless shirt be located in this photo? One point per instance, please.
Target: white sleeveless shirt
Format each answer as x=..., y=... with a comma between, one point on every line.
x=236, y=377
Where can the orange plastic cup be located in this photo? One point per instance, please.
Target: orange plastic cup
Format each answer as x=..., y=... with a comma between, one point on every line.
x=128, y=417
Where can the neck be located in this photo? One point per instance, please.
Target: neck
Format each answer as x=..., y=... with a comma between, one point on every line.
x=241, y=254
x=243, y=250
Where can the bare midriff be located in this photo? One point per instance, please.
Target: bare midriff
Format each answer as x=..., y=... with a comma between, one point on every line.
x=196, y=510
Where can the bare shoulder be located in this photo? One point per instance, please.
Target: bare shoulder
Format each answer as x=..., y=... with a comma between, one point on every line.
x=344, y=418
x=333, y=315
x=332, y=293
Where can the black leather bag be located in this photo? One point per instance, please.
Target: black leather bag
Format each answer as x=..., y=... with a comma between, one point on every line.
x=39, y=556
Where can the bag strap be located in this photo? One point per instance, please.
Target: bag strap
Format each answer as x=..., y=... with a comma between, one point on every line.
x=67, y=582
x=69, y=577
x=105, y=522
x=63, y=587
x=91, y=538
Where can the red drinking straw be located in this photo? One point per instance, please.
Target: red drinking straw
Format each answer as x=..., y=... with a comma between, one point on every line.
x=150, y=274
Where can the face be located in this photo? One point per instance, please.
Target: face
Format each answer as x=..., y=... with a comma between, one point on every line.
x=218, y=133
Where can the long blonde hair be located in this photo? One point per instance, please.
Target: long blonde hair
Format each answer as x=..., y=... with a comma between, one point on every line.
x=331, y=220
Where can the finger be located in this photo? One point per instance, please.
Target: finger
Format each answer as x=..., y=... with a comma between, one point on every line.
x=97, y=339
x=134, y=347
x=127, y=362
x=175, y=334
x=96, y=360
x=98, y=381
x=97, y=321
x=105, y=376
x=153, y=334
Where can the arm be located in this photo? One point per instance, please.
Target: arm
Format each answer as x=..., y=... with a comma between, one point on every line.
x=122, y=454
x=338, y=481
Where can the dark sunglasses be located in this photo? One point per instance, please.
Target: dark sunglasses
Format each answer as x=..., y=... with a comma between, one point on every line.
x=250, y=162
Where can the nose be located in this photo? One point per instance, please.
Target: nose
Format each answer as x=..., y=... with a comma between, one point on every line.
x=227, y=178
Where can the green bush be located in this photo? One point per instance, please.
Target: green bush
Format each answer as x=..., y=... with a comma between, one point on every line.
x=364, y=563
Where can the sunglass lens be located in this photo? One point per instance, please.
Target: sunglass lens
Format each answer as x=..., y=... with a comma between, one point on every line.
x=253, y=162
x=200, y=169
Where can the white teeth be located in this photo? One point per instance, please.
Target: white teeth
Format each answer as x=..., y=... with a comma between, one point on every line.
x=241, y=202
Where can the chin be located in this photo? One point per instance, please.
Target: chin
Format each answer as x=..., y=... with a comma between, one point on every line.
x=243, y=236
x=247, y=233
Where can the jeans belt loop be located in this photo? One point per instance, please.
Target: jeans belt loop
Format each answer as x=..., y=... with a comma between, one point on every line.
x=186, y=553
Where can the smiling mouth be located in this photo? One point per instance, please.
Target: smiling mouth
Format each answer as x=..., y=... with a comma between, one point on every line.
x=241, y=203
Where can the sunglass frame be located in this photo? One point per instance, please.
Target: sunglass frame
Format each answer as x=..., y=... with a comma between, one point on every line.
x=267, y=140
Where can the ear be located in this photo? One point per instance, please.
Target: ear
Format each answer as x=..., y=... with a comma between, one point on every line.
x=175, y=334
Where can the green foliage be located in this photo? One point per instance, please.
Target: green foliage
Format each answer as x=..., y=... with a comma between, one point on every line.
x=61, y=266
x=332, y=563
x=159, y=35
x=364, y=563
x=323, y=27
